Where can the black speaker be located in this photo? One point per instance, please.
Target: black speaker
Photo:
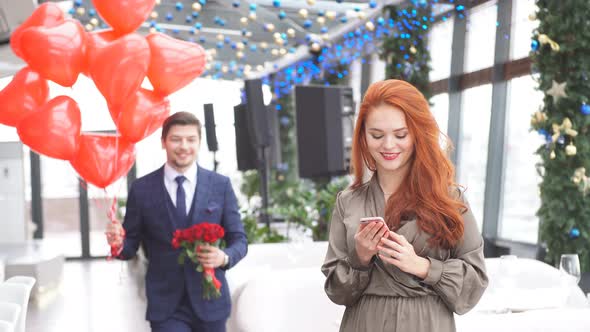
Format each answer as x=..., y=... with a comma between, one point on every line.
x=245, y=149
x=274, y=134
x=257, y=112
x=325, y=119
x=210, y=128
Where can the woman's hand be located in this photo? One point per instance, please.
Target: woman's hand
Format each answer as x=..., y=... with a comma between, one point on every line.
x=366, y=240
x=396, y=250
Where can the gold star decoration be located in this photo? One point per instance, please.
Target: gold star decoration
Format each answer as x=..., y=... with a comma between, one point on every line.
x=557, y=91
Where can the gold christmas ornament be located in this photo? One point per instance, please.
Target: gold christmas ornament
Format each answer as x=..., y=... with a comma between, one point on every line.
x=321, y=20
x=544, y=39
x=240, y=54
x=158, y=2
x=197, y=7
x=259, y=68
x=291, y=32
x=571, y=149
x=303, y=12
x=219, y=37
x=252, y=16
x=264, y=45
x=94, y=21
x=153, y=30
x=283, y=51
x=239, y=46
x=532, y=17
x=538, y=117
x=154, y=14
x=274, y=52
x=331, y=15
x=581, y=180
x=89, y=27
x=370, y=26
x=413, y=50
x=311, y=2
x=244, y=21
x=361, y=15
x=315, y=47
x=81, y=11
x=552, y=155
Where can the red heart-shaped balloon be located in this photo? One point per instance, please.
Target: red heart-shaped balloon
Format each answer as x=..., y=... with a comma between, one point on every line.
x=25, y=93
x=47, y=14
x=124, y=16
x=56, y=53
x=174, y=64
x=141, y=116
x=103, y=158
x=53, y=129
x=119, y=68
x=95, y=41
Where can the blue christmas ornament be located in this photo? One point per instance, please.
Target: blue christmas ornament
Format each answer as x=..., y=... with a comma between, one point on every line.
x=253, y=7
x=282, y=14
x=585, y=109
x=534, y=45
x=188, y=19
x=324, y=30
x=202, y=40
x=344, y=19
x=574, y=233
x=179, y=6
x=321, y=13
x=561, y=140
x=71, y=11
x=276, y=3
x=198, y=26
x=78, y=3
x=203, y=2
x=244, y=32
x=227, y=40
x=236, y=4
x=195, y=14
x=175, y=31
x=307, y=24
x=91, y=12
x=169, y=17
x=372, y=4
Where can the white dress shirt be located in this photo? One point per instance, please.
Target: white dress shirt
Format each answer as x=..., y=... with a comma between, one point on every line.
x=189, y=185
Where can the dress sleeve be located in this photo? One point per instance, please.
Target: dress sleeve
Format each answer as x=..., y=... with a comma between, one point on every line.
x=461, y=280
x=346, y=278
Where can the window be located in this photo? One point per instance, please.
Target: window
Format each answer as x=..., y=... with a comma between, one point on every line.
x=440, y=110
x=480, y=38
x=439, y=43
x=522, y=28
x=521, y=196
x=473, y=154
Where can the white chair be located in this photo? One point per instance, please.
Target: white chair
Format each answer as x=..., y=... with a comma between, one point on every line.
x=19, y=294
x=28, y=281
x=9, y=315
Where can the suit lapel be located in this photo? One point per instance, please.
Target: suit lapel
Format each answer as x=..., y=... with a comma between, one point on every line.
x=161, y=199
x=201, y=194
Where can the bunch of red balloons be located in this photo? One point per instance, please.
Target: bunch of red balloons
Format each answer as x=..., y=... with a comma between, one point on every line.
x=117, y=60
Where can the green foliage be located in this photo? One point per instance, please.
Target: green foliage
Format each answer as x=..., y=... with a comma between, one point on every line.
x=563, y=206
x=408, y=59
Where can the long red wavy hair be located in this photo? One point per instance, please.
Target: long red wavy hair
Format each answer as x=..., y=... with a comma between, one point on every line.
x=427, y=191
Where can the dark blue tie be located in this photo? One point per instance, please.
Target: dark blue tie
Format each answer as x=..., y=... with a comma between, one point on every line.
x=180, y=197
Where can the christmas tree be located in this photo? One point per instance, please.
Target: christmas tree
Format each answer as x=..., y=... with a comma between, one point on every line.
x=560, y=49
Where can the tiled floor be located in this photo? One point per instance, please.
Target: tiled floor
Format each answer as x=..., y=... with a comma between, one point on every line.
x=94, y=296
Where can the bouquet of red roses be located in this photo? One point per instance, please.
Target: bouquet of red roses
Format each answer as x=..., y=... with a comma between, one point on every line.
x=190, y=239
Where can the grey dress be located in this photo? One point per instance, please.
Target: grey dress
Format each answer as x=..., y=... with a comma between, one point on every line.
x=381, y=297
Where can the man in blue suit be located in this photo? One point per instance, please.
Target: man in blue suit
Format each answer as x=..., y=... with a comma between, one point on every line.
x=176, y=196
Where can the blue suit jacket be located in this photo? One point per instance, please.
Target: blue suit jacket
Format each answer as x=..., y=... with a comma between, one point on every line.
x=148, y=220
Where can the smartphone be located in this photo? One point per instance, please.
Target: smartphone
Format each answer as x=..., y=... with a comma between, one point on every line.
x=366, y=220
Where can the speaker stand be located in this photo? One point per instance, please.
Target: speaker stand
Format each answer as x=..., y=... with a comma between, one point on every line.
x=264, y=169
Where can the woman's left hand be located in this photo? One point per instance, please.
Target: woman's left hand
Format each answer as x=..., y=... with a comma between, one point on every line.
x=396, y=250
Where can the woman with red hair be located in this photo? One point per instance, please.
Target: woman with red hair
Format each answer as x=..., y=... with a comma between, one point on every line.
x=425, y=261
